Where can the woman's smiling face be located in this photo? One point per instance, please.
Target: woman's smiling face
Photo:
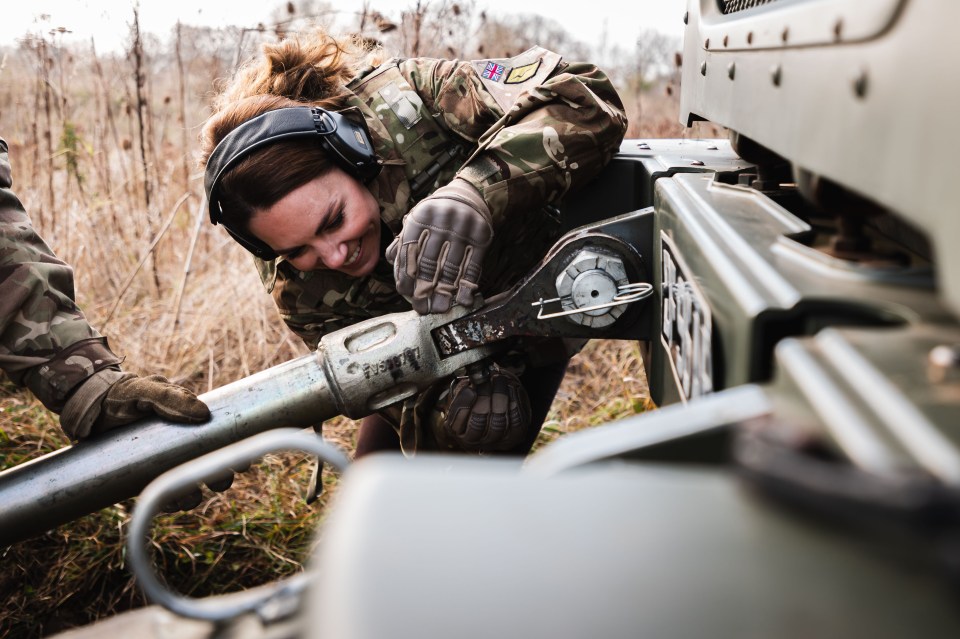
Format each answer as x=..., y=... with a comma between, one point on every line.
x=331, y=222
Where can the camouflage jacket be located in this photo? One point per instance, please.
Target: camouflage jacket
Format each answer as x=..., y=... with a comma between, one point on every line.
x=525, y=131
x=46, y=343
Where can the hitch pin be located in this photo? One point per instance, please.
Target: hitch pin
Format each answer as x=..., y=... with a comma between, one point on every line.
x=626, y=294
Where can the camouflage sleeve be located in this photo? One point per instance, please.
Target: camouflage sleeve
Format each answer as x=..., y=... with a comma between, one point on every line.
x=542, y=128
x=46, y=344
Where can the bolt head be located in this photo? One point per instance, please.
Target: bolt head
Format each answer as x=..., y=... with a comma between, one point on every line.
x=943, y=363
x=861, y=84
x=776, y=75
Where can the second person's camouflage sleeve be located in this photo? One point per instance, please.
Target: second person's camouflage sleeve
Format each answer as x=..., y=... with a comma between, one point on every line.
x=46, y=342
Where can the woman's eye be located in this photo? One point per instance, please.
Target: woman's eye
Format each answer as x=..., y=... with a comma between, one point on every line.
x=294, y=254
x=336, y=221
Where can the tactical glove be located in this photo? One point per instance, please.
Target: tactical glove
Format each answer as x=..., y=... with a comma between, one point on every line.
x=112, y=398
x=438, y=254
x=493, y=415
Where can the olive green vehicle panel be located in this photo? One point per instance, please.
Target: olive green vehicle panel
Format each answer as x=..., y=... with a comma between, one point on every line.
x=862, y=92
x=760, y=284
x=870, y=393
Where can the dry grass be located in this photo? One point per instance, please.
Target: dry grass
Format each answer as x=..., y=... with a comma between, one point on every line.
x=121, y=202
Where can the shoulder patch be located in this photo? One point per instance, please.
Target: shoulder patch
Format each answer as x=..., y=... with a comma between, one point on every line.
x=493, y=71
x=522, y=74
x=404, y=104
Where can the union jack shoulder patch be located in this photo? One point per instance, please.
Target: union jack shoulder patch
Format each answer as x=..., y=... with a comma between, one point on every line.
x=493, y=71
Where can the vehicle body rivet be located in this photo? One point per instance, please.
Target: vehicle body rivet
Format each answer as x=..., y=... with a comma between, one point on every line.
x=861, y=84
x=943, y=363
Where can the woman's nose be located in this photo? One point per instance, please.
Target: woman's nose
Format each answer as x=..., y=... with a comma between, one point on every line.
x=331, y=253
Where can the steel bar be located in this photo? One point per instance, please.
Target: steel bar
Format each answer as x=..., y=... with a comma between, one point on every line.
x=96, y=473
x=354, y=372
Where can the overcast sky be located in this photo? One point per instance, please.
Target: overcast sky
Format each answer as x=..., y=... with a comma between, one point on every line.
x=107, y=20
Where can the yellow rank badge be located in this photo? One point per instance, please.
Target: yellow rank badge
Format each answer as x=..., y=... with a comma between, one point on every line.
x=522, y=74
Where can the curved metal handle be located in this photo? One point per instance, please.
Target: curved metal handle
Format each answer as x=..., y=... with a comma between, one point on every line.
x=270, y=602
x=626, y=294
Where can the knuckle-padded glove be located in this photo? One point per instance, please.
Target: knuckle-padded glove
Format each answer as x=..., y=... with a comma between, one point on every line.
x=438, y=254
x=493, y=415
x=134, y=397
x=112, y=398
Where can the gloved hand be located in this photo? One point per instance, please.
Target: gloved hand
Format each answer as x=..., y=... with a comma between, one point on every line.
x=438, y=254
x=113, y=398
x=493, y=415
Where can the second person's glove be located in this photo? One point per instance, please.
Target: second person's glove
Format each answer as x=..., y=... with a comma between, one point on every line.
x=438, y=255
x=112, y=398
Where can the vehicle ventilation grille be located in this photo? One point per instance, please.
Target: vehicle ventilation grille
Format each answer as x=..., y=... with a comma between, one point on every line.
x=732, y=6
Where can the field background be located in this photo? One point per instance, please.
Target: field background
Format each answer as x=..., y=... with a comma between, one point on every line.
x=103, y=148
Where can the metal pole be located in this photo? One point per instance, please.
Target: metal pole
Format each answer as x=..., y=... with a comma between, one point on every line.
x=355, y=371
x=93, y=474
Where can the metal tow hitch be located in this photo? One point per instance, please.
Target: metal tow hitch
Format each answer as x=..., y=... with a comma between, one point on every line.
x=587, y=286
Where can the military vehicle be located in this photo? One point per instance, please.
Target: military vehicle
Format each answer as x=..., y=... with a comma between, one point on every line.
x=796, y=293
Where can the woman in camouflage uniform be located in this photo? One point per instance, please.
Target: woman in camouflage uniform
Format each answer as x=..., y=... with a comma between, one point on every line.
x=474, y=156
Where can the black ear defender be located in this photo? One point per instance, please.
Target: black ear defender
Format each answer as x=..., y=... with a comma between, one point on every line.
x=346, y=142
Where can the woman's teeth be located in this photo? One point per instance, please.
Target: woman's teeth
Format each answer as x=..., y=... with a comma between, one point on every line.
x=353, y=256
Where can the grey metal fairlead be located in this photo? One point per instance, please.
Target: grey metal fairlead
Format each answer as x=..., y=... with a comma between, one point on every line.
x=354, y=372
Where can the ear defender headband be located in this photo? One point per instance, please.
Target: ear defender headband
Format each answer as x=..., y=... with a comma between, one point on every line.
x=346, y=143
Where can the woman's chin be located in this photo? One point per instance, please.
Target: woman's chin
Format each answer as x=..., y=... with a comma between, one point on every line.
x=366, y=267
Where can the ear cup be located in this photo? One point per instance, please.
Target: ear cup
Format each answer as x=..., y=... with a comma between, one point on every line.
x=349, y=144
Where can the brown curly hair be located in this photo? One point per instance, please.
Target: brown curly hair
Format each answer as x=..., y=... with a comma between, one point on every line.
x=311, y=68
x=314, y=69
x=298, y=70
